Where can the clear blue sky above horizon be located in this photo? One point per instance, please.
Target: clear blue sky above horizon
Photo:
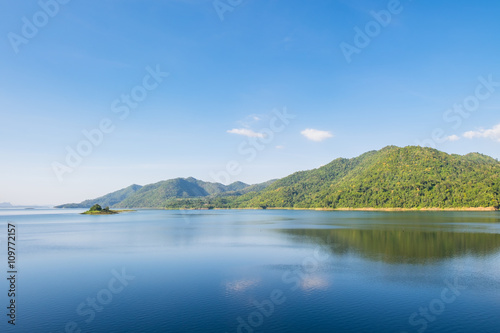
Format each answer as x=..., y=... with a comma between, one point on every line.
x=225, y=79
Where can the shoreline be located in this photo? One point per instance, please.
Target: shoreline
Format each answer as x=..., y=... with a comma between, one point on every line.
x=463, y=209
x=365, y=209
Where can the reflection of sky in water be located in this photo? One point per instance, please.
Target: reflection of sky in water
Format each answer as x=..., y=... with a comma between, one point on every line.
x=199, y=271
x=314, y=283
x=241, y=285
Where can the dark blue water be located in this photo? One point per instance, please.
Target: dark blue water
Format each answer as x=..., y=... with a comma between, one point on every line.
x=253, y=271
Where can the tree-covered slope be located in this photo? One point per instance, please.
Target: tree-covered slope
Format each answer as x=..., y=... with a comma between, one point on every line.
x=110, y=199
x=393, y=177
x=410, y=177
x=155, y=195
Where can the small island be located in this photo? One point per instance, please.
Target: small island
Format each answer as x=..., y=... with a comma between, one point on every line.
x=98, y=210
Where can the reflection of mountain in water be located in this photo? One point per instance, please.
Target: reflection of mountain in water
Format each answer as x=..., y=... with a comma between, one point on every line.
x=398, y=245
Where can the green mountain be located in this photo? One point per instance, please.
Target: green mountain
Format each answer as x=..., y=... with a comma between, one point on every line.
x=393, y=177
x=410, y=177
x=248, y=189
x=158, y=195
x=239, y=186
x=110, y=199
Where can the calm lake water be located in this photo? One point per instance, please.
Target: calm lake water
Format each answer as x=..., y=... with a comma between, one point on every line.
x=253, y=271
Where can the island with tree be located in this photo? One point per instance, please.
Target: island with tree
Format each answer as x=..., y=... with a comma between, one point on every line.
x=98, y=210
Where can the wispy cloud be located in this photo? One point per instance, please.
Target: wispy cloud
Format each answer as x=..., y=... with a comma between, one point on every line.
x=280, y=147
x=246, y=132
x=492, y=134
x=316, y=135
x=452, y=138
x=251, y=120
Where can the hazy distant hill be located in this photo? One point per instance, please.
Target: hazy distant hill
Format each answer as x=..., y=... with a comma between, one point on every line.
x=5, y=205
x=110, y=199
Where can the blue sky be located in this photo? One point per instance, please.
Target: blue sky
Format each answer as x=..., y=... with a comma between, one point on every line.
x=226, y=79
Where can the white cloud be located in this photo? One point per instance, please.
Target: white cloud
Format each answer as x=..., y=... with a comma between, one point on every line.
x=493, y=133
x=453, y=138
x=316, y=135
x=246, y=132
x=280, y=147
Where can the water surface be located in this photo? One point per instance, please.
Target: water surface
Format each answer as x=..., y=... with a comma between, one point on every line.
x=254, y=271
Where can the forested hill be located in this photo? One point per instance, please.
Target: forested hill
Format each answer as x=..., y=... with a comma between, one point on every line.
x=410, y=177
x=393, y=177
x=156, y=195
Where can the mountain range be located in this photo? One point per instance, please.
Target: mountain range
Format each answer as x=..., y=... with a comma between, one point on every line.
x=393, y=177
x=158, y=194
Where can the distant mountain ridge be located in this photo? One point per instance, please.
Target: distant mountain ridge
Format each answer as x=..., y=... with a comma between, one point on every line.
x=156, y=195
x=7, y=205
x=109, y=200
x=393, y=177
